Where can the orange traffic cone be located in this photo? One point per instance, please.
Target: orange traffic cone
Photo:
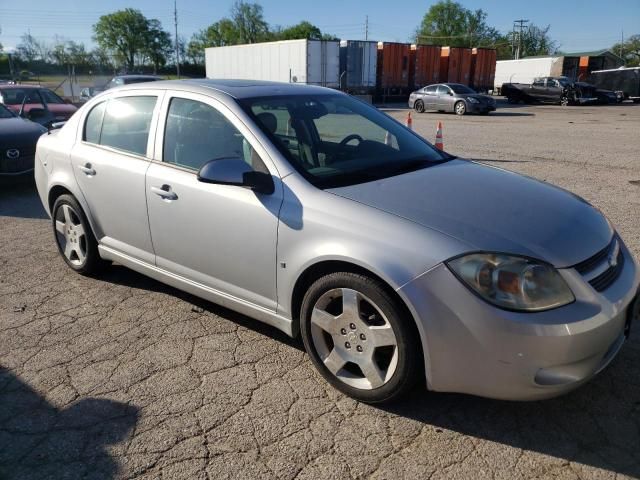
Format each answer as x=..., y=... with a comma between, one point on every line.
x=439, y=143
x=409, y=122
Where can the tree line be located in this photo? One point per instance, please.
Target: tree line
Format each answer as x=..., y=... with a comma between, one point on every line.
x=128, y=41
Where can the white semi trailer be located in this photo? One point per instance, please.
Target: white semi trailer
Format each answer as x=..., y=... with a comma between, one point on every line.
x=314, y=62
x=526, y=69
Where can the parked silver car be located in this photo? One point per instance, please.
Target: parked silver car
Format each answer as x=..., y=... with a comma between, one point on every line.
x=320, y=215
x=451, y=97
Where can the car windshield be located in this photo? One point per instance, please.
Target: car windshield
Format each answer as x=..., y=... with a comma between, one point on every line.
x=50, y=97
x=457, y=88
x=5, y=112
x=335, y=140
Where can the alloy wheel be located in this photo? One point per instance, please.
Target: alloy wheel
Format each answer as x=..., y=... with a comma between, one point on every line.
x=354, y=339
x=71, y=235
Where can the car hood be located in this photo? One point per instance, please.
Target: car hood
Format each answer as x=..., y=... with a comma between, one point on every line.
x=491, y=209
x=17, y=131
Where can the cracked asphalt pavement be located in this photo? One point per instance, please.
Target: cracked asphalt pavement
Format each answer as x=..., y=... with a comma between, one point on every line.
x=119, y=376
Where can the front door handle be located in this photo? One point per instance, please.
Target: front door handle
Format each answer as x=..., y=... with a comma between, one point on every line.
x=87, y=168
x=165, y=192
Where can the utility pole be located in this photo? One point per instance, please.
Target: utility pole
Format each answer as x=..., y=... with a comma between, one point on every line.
x=366, y=27
x=520, y=23
x=175, y=23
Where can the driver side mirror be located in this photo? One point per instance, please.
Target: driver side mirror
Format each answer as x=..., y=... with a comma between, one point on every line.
x=235, y=171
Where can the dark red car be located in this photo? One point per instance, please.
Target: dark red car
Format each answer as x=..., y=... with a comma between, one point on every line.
x=35, y=97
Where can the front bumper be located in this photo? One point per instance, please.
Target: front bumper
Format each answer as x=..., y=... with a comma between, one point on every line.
x=473, y=347
x=18, y=166
x=480, y=107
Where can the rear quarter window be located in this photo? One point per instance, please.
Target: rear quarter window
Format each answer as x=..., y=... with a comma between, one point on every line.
x=93, y=124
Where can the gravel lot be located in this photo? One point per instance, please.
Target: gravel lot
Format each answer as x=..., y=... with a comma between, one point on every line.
x=120, y=376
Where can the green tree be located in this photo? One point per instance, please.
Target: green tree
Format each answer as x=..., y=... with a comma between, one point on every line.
x=218, y=34
x=157, y=44
x=123, y=33
x=249, y=22
x=629, y=50
x=303, y=29
x=30, y=49
x=537, y=41
x=449, y=23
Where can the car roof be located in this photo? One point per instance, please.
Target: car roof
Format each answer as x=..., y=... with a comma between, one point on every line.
x=23, y=86
x=237, y=89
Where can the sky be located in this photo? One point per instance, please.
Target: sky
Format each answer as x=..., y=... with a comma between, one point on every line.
x=576, y=25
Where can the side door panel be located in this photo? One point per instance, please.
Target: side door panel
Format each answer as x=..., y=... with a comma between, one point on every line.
x=220, y=236
x=113, y=184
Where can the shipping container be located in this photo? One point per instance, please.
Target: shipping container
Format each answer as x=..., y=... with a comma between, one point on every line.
x=483, y=68
x=444, y=64
x=358, y=66
x=313, y=62
x=459, y=65
x=625, y=80
x=427, y=65
x=395, y=61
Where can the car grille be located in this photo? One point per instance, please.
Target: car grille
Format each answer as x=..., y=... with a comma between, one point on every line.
x=604, y=279
x=23, y=163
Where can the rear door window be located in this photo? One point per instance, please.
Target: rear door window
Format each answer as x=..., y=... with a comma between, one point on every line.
x=126, y=123
x=443, y=90
x=431, y=89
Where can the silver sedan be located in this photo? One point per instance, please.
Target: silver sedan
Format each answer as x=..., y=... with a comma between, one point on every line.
x=316, y=213
x=451, y=97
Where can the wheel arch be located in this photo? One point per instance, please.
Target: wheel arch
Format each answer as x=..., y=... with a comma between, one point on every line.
x=57, y=190
x=319, y=269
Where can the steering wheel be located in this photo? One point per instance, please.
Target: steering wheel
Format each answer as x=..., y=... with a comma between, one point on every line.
x=348, y=138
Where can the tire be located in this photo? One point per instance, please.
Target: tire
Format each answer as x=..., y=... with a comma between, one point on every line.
x=419, y=106
x=512, y=100
x=564, y=100
x=460, y=108
x=72, y=230
x=380, y=339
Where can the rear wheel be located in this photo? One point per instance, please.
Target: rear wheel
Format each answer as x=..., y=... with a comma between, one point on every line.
x=74, y=237
x=359, y=339
x=460, y=108
x=419, y=106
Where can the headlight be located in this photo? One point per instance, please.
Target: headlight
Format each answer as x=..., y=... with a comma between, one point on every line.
x=512, y=282
x=473, y=100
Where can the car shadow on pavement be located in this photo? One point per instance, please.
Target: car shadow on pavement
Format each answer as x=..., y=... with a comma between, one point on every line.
x=598, y=425
x=19, y=198
x=38, y=440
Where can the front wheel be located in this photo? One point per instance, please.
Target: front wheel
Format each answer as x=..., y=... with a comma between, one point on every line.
x=460, y=108
x=74, y=237
x=359, y=339
x=419, y=106
x=564, y=100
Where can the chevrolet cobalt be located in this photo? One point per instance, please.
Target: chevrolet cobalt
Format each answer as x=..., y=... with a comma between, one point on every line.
x=309, y=210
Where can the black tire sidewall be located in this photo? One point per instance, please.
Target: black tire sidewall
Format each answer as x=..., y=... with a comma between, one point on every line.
x=409, y=365
x=419, y=106
x=92, y=262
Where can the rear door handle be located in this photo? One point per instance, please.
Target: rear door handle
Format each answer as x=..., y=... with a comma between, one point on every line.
x=165, y=192
x=87, y=168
